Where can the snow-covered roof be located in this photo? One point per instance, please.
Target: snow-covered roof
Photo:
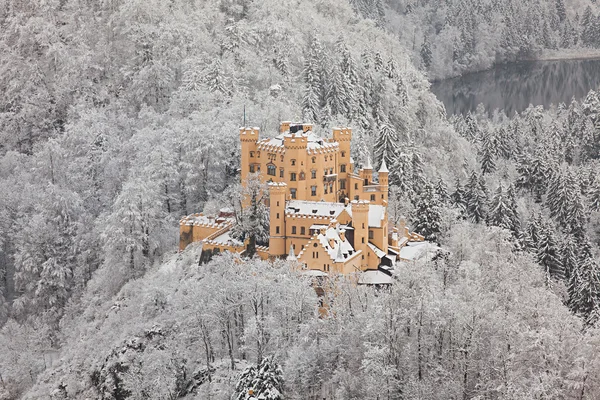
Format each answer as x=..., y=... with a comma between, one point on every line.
x=226, y=238
x=417, y=250
x=374, y=277
x=339, y=250
x=376, y=215
x=383, y=167
x=313, y=142
x=378, y=252
x=316, y=208
x=313, y=272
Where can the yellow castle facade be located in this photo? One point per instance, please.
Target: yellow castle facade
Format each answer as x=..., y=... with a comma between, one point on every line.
x=323, y=214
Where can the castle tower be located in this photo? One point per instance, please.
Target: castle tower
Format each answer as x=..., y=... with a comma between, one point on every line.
x=384, y=181
x=277, y=193
x=366, y=174
x=295, y=151
x=344, y=162
x=360, y=223
x=248, y=140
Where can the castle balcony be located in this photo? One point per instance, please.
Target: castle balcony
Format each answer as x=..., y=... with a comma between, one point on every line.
x=373, y=188
x=330, y=178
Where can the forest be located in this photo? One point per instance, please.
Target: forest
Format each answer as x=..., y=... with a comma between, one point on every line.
x=117, y=117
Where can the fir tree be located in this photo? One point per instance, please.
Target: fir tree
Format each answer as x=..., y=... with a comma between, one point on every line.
x=594, y=196
x=428, y=213
x=476, y=199
x=426, y=55
x=569, y=258
x=386, y=145
x=442, y=191
x=487, y=155
x=584, y=289
x=458, y=197
x=547, y=254
x=265, y=381
x=500, y=212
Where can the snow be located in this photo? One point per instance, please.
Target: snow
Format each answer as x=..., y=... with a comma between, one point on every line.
x=341, y=248
x=383, y=167
x=417, y=250
x=225, y=238
x=315, y=208
x=313, y=272
x=372, y=277
x=378, y=252
x=376, y=215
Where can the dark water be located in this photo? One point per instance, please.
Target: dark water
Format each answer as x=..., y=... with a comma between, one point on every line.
x=513, y=87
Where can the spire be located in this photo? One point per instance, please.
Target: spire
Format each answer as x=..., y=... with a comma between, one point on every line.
x=383, y=167
x=340, y=255
x=368, y=166
x=291, y=256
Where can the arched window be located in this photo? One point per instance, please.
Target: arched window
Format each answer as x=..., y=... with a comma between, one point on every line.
x=314, y=160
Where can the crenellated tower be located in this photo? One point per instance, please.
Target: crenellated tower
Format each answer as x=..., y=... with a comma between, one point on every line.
x=277, y=197
x=248, y=140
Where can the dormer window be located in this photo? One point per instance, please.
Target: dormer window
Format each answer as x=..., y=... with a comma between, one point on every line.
x=293, y=162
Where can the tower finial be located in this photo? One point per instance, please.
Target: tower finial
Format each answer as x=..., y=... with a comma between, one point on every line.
x=383, y=167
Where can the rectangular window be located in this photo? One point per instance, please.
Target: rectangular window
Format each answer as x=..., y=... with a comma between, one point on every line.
x=372, y=197
x=302, y=230
x=281, y=172
x=293, y=162
x=252, y=154
x=342, y=184
x=356, y=186
x=293, y=176
x=293, y=230
x=370, y=234
x=313, y=190
x=293, y=193
x=277, y=229
x=271, y=170
x=277, y=215
x=325, y=188
x=251, y=167
x=343, y=168
x=363, y=239
x=313, y=174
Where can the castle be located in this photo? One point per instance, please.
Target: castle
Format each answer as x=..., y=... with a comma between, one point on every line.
x=323, y=214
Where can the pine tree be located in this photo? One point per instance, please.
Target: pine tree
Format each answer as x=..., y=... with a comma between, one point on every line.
x=458, y=197
x=441, y=191
x=500, y=212
x=336, y=96
x=428, y=215
x=215, y=78
x=476, y=199
x=584, y=289
x=426, y=55
x=265, y=381
x=487, y=155
x=569, y=258
x=547, y=254
x=386, y=145
x=594, y=196
x=532, y=238
x=560, y=10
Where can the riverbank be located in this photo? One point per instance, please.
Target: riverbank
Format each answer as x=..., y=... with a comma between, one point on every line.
x=568, y=54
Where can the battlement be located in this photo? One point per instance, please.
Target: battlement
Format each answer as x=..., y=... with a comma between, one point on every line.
x=342, y=134
x=249, y=134
x=360, y=205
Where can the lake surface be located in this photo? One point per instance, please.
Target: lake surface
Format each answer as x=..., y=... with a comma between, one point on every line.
x=513, y=87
